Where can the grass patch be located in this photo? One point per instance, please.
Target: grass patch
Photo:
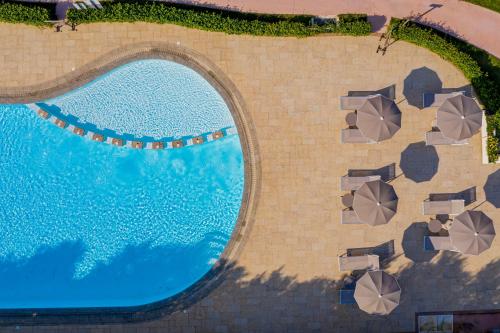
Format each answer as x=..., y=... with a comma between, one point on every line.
x=219, y=20
x=478, y=66
x=490, y=4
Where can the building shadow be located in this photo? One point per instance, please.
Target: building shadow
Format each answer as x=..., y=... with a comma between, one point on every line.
x=419, y=162
x=419, y=81
x=413, y=243
x=377, y=21
x=271, y=301
x=492, y=189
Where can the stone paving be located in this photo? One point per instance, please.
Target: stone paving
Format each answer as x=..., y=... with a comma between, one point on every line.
x=286, y=276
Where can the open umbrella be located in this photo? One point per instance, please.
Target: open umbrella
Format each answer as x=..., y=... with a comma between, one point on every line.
x=378, y=118
x=472, y=232
x=375, y=202
x=377, y=292
x=459, y=117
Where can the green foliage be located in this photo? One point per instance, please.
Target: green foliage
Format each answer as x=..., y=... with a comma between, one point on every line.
x=345, y=18
x=24, y=13
x=491, y=4
x=481, y=68
x=214, y=20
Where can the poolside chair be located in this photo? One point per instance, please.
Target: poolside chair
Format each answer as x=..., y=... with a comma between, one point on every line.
x=438, y=243
x=363, y=262
x=346, y=294
x=97, y=4
x=349, y=216
x=89, y=4
x=352, y=102
x=389, y=92
x=435, y=138
x=349, y=183
x=354, y=135
x=444, y=207
x=433, y=100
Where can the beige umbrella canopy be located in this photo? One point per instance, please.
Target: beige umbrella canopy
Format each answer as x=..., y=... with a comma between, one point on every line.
x=378, y=118
x=375, y=202
x=472, y=232
x=459, y=117
x=377, y=293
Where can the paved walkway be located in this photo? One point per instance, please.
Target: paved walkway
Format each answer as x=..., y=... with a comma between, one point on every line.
x=472, y=23
x=286, y=277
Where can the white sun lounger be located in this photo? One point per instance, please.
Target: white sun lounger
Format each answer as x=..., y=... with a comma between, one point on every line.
x=353, y=263
x=438, y=243
x=434, y=138
x=433, y=100
x=354, y=135
x=348, y=183
x=89, y=4
x=348, y=216
x=448, y=207
x=97, y=4
x=352, y=102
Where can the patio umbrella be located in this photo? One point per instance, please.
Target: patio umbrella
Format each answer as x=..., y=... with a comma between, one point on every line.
x=472, y=232
x=459, y=117
x=377, y=292
x=378, y=118
x=375, y=202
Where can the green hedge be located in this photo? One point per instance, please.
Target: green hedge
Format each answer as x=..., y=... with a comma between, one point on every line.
x=479, y=67
x=215, y=20
x=24, y=13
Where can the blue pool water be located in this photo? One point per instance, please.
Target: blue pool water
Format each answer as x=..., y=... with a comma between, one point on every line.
x=154, y=98
x=86, y=224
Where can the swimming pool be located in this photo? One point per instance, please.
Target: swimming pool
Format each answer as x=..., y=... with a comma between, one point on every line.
x=86, y=224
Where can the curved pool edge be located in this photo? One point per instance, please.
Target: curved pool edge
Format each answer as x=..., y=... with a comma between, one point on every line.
x=248, y=140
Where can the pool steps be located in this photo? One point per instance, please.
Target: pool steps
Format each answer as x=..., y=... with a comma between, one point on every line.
x=136, y=143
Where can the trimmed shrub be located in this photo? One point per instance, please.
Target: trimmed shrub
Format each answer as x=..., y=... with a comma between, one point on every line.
x=215, y=20
x=479, y=67
x=24, y=13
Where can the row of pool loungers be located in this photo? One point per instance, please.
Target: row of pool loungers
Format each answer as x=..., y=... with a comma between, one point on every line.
x=137, y=144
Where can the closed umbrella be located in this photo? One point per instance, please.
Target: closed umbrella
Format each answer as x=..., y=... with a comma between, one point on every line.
x=378, y=118
x=375, y=202
x=377, y=292
x=459, y=117
x=472, y=232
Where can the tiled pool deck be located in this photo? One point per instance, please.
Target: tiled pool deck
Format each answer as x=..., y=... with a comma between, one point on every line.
x=285, y=278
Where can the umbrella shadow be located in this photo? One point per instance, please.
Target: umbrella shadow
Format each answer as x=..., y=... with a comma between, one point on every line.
x=419, y=81
x=419, y=162
x=413, y=243
x=492, y=189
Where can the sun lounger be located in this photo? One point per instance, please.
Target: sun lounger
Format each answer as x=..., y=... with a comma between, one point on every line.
x=346, y=296
x=348, y=183
x=433, y=100
x=389, y=92
x=349, y=217
x=352, y=102
x=449, y=207
x=433, y=138
x=354, y=263
x=97, y=4
x=89, y=4
x=354, y=135
x=437, y=243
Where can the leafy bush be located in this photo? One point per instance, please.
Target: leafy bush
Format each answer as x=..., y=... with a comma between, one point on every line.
x=479, y=67
x=24, y=13
x=346, y=18
x=214, y=20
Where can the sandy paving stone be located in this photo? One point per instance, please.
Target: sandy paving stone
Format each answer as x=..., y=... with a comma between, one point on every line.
x=288, y=269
